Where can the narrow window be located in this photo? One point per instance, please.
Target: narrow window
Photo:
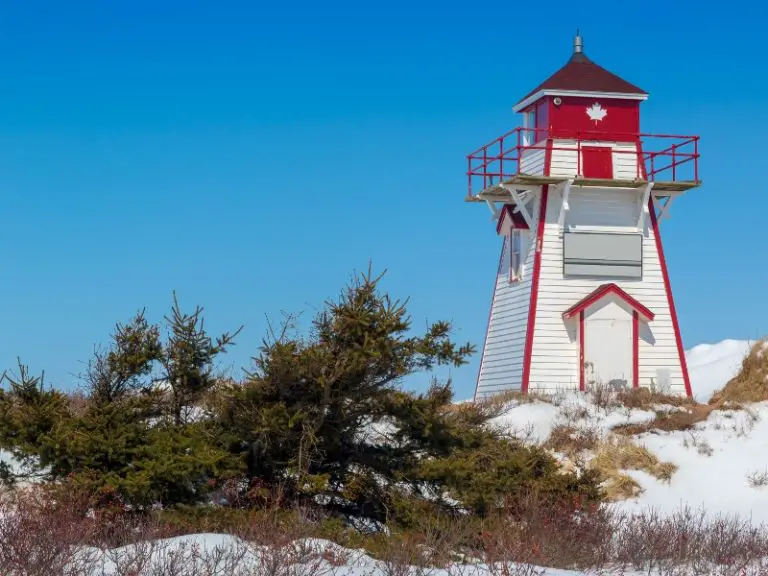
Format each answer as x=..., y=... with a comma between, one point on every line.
x=515, y=255
x=529, y=134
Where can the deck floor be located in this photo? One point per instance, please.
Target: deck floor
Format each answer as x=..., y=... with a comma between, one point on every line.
x=498, y=193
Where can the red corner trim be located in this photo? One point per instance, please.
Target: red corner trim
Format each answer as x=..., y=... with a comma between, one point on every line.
x=536, y=273
x=670, y=300
x=600, y=293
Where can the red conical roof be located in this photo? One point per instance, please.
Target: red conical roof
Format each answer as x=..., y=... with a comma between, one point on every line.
x=580, y=74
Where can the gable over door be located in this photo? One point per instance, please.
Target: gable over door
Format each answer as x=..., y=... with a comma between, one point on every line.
x=597, y=162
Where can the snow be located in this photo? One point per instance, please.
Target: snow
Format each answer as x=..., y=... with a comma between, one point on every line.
x=710, y=366
x=715, y=462
x=202, y=551
x=534, y=420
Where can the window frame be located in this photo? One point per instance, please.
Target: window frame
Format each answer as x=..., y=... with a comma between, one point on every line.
x=515, y=257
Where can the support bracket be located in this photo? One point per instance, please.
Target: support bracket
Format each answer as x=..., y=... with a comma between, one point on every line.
x=494, y=210
x=644, y=201
x=564, y=207
x=520, y=206
x=664, y=209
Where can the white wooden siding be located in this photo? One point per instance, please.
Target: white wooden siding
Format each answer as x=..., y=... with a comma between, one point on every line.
x=555, y=355
x=501, y=366
x=532, y=161
x=592, y=210
x=565, y=162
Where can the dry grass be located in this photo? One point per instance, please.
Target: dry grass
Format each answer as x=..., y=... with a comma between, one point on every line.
x=617, y=454
x=751, y=383
x=680, y=420
x=645, y=399
x=572, y=441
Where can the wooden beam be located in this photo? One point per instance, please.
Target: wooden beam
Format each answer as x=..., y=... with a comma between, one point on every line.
x=641, y=219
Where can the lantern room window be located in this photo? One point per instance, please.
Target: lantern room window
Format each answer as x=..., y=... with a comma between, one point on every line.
x=529, y=120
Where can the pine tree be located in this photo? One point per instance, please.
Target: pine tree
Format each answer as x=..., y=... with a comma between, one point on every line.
x=188, y=358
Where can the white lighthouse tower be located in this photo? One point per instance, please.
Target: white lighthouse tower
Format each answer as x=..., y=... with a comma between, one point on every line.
x=582, y=294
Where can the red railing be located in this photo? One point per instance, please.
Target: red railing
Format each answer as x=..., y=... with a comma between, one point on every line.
x=658, y=157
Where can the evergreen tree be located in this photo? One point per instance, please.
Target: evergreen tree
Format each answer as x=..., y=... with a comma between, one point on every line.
x=325, y=417
x=188, y=358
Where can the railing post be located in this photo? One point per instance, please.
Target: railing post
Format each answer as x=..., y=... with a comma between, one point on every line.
x=485, y=168
x=673, y=163
x=696, y=159
x=501, y=159
x=469, y=176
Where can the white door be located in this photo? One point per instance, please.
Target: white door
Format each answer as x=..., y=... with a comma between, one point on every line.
x=608, y=351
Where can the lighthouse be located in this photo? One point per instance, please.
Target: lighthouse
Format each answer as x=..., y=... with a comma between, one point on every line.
x=581, y=295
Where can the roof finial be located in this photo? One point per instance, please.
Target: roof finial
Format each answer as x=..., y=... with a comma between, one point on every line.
x=578, y=45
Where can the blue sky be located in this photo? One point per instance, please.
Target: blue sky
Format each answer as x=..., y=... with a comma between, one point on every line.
x=252, y=156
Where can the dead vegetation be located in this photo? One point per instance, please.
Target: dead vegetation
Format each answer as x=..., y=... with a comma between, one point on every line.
x=59, y=537
x=617, y=454
x=610, y=456
x=684, y=418
x=751, y=383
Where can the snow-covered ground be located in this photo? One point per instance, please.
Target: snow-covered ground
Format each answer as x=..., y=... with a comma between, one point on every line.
x=722, y=463
x=206, y=552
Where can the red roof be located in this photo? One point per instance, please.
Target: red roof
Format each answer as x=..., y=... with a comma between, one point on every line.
x=582, y=75
x=600, y=293
x=516, y=218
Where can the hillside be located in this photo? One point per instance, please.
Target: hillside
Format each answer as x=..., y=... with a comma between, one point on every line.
x=719, y=463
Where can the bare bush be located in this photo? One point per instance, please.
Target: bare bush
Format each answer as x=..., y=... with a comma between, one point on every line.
x=42, y=535
x=758, y=479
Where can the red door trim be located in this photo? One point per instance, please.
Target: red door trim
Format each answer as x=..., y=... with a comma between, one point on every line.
x=635, y=349
x=582, y=344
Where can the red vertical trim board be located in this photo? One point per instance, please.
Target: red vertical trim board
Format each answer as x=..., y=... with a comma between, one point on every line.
x=670, y=300
x=635, y=349
x=536, y=273
x=488, y=323
x=582, y=344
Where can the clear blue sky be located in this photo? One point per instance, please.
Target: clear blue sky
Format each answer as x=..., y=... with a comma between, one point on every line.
x=251, y=156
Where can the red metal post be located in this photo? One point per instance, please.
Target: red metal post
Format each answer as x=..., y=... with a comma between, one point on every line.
x=501, y=159
x=469, y=176
x=485, y=168
x=696, y=159
x=673, y=163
